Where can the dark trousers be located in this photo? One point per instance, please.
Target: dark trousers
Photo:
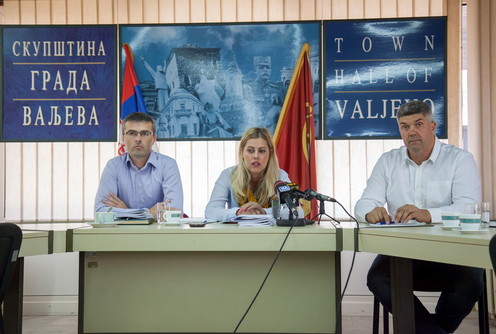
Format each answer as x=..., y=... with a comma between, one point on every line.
x=460, y=288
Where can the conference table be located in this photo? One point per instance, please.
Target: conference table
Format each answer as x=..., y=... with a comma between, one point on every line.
x=169, y=279
x=156, y=279
x=38, y=238
x=430, y=243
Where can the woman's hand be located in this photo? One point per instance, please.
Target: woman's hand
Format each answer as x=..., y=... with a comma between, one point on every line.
x=251, y=208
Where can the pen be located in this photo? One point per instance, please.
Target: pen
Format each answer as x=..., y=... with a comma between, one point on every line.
x=384, y=223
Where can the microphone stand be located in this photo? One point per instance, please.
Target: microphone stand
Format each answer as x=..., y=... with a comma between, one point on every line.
x=292, y=221
x=323, y=213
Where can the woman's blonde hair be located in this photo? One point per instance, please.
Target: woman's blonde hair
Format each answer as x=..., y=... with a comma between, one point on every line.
x=240, y=176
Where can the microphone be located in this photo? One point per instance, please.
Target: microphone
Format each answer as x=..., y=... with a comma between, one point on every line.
x=285, y=194
x=311, y=194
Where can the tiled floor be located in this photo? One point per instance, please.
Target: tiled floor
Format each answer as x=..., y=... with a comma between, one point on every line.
x=351, y=325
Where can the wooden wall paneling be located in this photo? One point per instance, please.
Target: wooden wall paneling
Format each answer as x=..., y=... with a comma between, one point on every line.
x=339, y=10
x=122, y=11
x=356, y=9
x=43, y=9
x=12, y=12
x=45, y=181
x=151, y=11
x=325, y=9
x=390, y=144
x=199, y=178
x=291, y=10
x=308, y=10
x=389, y=8
x=260, y=10
x=106, y=151
x=372, y=9
x=453, y=68
x=477, y=53
x=214, y=163
x=182, y=12
x=198, y=11
x=28, y=12
x=167, y=148
x=75, y=176
x=29, y=188
x=230, y=153
x=135, y=11
x=184, y=160
x=325, y=169
x=319, y=9
x=228, y=9
x=489, y=171
x=275, y=10
x=166, y=11
x=74, y=12
x=419, y=8
x=375, y=148
x=245, y=11
x=342, y=175
x=439, y=7
x=91, y=178
x=13, y=180
x=481, y=73
x=89, y=12
x=60, y=176
x=405, y=8
x=58, y=12
x=358, y=170
x=213, y=11
x=105, y=11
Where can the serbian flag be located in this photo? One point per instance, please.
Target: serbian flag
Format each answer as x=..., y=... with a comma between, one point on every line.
x=132, y=100
x=294, y=137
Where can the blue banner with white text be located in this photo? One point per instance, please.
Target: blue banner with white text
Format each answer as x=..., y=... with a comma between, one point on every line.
x=58, y=83
x=372, y=67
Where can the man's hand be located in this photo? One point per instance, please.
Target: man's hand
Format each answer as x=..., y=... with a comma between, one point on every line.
x=114, y=201
x=251, y=208
x=408, y=212
x=378, y=215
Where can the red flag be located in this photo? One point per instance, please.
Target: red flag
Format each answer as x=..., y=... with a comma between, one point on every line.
x=294, y=137
x=131, y=100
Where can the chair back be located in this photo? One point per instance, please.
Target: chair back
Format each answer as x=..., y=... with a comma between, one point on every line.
x=492, y=251
x=10, y=244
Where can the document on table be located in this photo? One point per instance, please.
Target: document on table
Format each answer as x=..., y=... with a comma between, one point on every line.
x=254, y=220
x=120, y=214
x=411, y=223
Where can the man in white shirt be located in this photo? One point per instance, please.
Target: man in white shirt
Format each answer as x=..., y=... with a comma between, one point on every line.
x=418, y=181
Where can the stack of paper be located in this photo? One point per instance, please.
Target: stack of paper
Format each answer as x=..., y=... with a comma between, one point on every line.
x=254, y=220
x=131, y=214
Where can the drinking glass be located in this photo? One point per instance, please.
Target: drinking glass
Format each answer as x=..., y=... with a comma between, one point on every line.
x=471, y=217
x=472, y=208
x=162, y=208
x=485, y=213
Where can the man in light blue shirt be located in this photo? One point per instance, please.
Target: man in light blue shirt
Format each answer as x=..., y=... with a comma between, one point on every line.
x=141, y=178
x=418, y=181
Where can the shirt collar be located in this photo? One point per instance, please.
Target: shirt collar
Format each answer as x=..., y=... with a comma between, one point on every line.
x=152, y=160
x=435, y=151
x=434, y=154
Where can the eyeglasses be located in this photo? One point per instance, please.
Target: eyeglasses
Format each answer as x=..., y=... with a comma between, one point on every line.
x=133, y=133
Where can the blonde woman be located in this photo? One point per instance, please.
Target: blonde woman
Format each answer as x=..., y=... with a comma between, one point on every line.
x=247, y=188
